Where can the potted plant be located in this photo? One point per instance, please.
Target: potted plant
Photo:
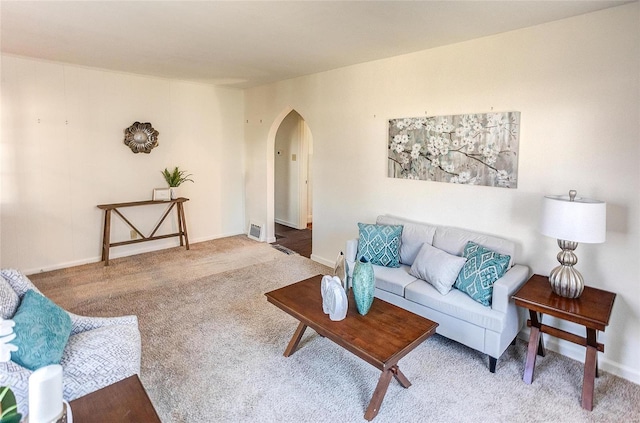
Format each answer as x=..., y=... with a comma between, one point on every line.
x=8, y=408
x=175, y=179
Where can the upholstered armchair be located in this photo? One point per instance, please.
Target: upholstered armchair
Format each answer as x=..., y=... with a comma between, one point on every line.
x=99, y=352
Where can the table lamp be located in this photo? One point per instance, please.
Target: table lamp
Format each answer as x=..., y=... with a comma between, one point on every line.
x=571, y=220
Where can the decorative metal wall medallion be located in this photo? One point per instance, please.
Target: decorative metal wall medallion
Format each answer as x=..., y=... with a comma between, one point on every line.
x=141, y=137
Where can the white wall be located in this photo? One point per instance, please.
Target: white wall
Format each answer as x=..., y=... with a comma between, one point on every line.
x=62, y=153
x=576, y=84
x=287, y=170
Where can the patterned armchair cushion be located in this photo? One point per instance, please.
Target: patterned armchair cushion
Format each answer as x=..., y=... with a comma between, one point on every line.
x=81, y=324
x=18, y=281
x=100, y=357
x=42, y=329
x=16, y=377
x=380, y=244
x=9, y=300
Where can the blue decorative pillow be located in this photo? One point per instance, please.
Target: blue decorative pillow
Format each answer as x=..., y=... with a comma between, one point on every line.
x=380, y=244
x=42, y=330
x=482, y=269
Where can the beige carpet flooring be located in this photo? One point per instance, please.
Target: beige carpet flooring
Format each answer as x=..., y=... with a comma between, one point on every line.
x=212, y=350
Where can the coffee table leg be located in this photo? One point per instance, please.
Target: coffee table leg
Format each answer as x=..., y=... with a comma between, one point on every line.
x=295, y=340
x=378, y=394
x=400, y=377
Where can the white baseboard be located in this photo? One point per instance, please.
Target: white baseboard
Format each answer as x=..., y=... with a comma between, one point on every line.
x=114, y=253
x=577, y=352
x=322, y=260
x=58, y=266
x=285, y=223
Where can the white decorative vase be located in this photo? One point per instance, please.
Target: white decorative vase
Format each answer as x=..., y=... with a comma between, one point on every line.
x=334, y=298
x=174, y=192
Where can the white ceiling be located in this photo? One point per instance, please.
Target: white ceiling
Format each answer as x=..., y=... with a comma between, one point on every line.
x=249, y=43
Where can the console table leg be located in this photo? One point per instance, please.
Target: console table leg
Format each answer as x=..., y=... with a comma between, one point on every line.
x=106, y=237
x=184, y=225
x=295, y=340
x=378, y=394
x=180, y=225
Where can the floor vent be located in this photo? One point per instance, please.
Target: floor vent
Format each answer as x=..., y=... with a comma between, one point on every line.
x=256, y=231
x=283, y=249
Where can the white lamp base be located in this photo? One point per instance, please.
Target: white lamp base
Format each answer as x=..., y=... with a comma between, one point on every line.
x=564, y=279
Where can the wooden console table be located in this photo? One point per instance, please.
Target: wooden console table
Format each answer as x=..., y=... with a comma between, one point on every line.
x=592, y=310
x=106, y=234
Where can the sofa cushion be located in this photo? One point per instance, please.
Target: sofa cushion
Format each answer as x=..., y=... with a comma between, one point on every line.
x=380, y=244
x=482, y=269
x=454, y=240
x=437, y=267
x=393, y=279
x=456, y=304
x=414, y=234
x=9, y=300
x=42, y=330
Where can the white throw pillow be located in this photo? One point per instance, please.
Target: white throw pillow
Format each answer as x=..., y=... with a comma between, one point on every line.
x=437, y=267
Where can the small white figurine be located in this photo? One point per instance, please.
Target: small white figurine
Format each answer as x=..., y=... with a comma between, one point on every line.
x=6, y=336
x=334, y=298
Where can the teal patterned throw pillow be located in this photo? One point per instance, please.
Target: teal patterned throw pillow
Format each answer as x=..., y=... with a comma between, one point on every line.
x=482, y=269
x=380, y=244
x=42, y=330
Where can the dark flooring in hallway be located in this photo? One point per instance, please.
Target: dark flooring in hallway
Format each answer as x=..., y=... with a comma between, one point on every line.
x=298, y=240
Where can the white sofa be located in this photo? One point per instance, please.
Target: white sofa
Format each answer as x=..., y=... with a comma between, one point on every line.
x=488, y=329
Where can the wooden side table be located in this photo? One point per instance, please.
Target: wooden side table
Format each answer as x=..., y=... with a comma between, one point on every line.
x=592, y=310
x=124, y=401
x=106, y=231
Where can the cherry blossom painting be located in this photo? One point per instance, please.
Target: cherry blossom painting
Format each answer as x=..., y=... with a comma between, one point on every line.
x=472, y=149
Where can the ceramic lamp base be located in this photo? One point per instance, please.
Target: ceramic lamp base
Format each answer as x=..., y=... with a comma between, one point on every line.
x=565, y=280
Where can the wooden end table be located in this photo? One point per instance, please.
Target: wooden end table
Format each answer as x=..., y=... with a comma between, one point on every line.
x=592, y=310
x=125, y=401
x=381, y=338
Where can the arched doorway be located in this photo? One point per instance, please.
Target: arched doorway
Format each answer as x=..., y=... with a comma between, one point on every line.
x=290, y=175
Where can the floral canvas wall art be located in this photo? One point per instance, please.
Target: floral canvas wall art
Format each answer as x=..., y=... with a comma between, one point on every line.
x=473, y=149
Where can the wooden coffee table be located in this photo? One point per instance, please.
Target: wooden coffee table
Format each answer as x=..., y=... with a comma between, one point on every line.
x=381, y=338
x=124, y=402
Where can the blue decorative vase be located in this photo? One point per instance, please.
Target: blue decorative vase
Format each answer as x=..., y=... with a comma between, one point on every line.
x=363, y=285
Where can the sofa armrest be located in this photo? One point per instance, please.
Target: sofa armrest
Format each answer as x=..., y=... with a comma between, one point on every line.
x=507, y=285
x=81, y=324
x=350, y=254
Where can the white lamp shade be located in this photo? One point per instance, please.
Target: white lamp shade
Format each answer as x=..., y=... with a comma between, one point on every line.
x=581, y=220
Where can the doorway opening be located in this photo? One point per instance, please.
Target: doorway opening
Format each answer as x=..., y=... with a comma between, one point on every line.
x=292, y=184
